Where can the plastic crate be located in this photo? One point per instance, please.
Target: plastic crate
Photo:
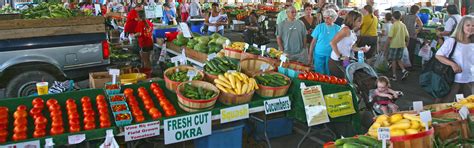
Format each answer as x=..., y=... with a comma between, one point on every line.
x=230, y=137
x=275, y=128
x=112, y=91
x=123, y=122
x=116, y=102
x=119, y=103
x=160, y=33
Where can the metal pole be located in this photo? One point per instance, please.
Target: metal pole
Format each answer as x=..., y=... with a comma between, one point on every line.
x=304, y=137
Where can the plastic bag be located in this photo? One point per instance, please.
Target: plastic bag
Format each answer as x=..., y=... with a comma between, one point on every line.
x=110, y=141
x=381, y=64
x=425, y=52
x=406, y=58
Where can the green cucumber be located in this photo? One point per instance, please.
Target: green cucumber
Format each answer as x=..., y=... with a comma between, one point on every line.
x=354, y=145
x=342, y=141
x=370, y=141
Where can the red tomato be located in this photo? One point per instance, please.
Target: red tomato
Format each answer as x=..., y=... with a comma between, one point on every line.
x=89, y=126
x=154, y=86
x=56, y=130
x=103, y=111
x=148, y=106
x=74, y=122
x=128, y=92
x=154, y=110
x=35, y=111
x=137, y=112
x=22, y=107
x=301, y=76
x=54, y=107
x=139, y=118
x=155, y=113
x=71, y=111
x=20, y=121
x=133, y=103
x=105, y=124
x=20, y=129
x=37, y=101
x=89, y=112
x=141, y=89
x=57, y=118
x=164, y=102
x=74, y=128
x=157, y=92
x=168, y=106
x=39, y=133
x=71, y=107
x=74, y=115
x=100, y=106
x=51, y=102
x=70, y=101
x=99, y=98
x=3, y=133
x=344, y=81
x=56, y=113
x=104, y=117
x=85, y=99
x=41, y=120
x=40, y=127
x=170, y=113
x=147, y=101
x=20, y=114
x=89, y=119
x=39, y=106
x=325, y=79
x=57, y=123
x=18, y=137
x=3, y=110
x=87, y=105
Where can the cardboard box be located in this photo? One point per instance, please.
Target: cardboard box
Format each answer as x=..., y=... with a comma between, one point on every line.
x=98, y=79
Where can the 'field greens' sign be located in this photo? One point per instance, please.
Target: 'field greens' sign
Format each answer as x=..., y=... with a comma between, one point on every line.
x=277, y=105
x=187, y=127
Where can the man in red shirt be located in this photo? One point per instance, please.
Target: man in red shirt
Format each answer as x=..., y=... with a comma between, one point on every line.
x=132, y=19
x=143, y=32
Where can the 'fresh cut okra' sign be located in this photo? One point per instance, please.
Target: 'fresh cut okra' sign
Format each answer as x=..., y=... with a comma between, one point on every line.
x=187, y=127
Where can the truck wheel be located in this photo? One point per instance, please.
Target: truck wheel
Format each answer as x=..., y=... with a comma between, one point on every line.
x=24, y=84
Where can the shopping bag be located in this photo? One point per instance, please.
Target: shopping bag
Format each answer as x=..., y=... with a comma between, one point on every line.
x=110, y=141
x=406, y=58
x=381, y=64
x=425, y=52
x=339, y=104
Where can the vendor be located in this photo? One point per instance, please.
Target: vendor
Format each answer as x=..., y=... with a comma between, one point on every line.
x=450, y=24
x=131, y=24
x=215, y=20
x=291, y=37
x=168, y=15
x=251, y=28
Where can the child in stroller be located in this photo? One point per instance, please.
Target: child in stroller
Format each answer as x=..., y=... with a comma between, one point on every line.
x=384, y=97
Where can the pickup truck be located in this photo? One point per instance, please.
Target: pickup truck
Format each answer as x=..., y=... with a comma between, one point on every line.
x=25, y=61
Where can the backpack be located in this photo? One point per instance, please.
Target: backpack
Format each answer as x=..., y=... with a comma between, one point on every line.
x=454, y=26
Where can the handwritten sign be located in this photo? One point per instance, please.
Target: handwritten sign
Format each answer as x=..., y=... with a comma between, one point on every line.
x=143, y=130
x=384, y=135
x=464, y=112
x=262, y=48
x=459, y=97
x=277, y=105
x=315, y=107
x=75, y=139
x=418, y=106
x=426, y=118
x=114, y=73
x=27, y=144
x=211, y=56
x=191, y=74
x=234, y=113
x=187, y=127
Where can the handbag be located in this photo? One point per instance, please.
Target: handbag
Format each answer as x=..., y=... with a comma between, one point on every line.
x=437, y=78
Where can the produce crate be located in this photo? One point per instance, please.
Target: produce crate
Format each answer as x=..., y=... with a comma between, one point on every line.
x=98, y=79
x=274, y=129
x=196, y=55
x=10, y=16
x=61, y=139
x=230, y=137
x=174, y=47
x=27, y=28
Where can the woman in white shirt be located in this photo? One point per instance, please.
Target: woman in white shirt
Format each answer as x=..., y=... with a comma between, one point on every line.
x=344, y=43
x=450, y=24
x=462, y=61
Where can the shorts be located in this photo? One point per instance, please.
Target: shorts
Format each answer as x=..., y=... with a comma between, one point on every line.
x=395, y=54
x=147, y=49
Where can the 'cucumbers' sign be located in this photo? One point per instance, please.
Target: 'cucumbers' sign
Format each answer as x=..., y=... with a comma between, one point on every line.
x=234, y=113
x=187, y=127
x=277, y=105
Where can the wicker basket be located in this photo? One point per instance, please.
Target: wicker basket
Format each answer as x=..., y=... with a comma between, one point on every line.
x=252, y=66
x=451, y=129
x=439, y=109
x=209, y=77
x=232, y=99
x=419, y=140
x=172, y=85
x=268, y=91
x=231, y=53
x=297, y=66
x=246, y=55
x=196, y=55
x=274, y=62
x=191, y=105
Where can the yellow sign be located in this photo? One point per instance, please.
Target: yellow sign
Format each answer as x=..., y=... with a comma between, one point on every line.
x=234, y=113
x=339, y=104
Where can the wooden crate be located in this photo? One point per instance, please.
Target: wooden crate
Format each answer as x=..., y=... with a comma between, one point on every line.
x=10, y=16
x=25, y=28
x=196, y=55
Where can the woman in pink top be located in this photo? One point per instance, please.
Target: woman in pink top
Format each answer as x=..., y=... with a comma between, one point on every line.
x=184, y=9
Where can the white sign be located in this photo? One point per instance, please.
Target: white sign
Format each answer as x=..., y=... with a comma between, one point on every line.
x=75, y=139
x=246, y=46
x=142, y=130
x=418, y=106
x=28, y=144
x=426, y=118
x=277, y=105
x=282, y=59
x=234, y=113
x=49, y=143
x=264, y=67
x=433, y=43
x=149, y=12
x=255, y=45
x=262, y=48
x=187, y=127
x=384, y=135
x=97, y=9
x=464, y=112
x=459, y=97
x=191, y=74
x=185, y=29
x=211, y=56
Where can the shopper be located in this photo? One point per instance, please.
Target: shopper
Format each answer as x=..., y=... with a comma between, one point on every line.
x=282, y=15
x=291, y=37
x=462, y=60
x=251, y=28
x=397, y=40
x=309, y=21
x=215, y=21
x=451, y=23
x=195, y=9
x=169, y=16
x=368, y=31
x=320, y=48
x=184, y=9
x=414, y=26
x=144, y=33
x=387, y=25
x=319, y=15
x=339, y=19
x=344, y=43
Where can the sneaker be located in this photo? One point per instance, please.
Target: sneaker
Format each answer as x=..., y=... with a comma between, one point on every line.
x=405, y=74
x=393, y=78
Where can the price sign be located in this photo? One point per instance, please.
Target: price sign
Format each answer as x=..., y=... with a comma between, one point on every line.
x=282, y=59
x=246, y=46
x=263, y=48
x=459, y=97
x=49, y=143
x=234, y=113
x=426, y=118
x=264, y=67
x=142, y=130
x=302, y=85
x=433, y=43
x=28, y=144
x=384, y=135
x=175, y=60
x=114, y=73
x=75, y=139
x=464, y=112
x=418, y=106
x=188, y=127
x=277, y=105
x=255, y=45
x=191, y=74
x=231, y=71
x=211, y=56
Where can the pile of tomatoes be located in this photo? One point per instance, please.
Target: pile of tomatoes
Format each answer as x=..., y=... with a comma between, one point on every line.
x=314, y=76
x=133, y=104
x=102, y=106
x=148, y=102
x=3, y=124
x=73, y=116
x=56, y=117
x=164, y=102
x=40, y=120
x=20, y=123
x=89, y=114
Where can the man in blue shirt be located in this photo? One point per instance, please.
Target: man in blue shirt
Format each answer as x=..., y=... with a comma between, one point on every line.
x=168, y=14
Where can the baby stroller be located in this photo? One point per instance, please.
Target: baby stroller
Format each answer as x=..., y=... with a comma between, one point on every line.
x=363, y=78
